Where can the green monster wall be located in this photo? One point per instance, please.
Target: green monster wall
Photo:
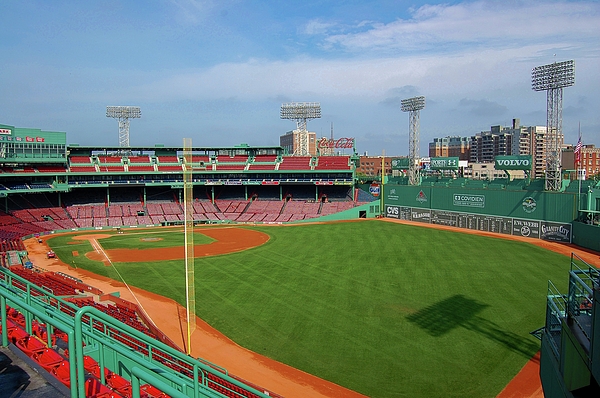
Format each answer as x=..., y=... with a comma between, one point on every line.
x=545, y=215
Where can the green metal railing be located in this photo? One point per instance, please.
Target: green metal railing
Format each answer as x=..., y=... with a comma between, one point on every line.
x=115, y=345
x=556, y=310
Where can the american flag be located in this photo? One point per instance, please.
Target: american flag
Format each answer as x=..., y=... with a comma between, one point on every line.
x=577, y=151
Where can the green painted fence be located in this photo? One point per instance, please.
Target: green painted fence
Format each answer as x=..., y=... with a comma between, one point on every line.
x=535, y=205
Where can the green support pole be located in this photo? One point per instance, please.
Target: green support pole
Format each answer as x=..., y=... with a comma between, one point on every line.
x=107, y=196
x=280, y=192
x=3, y=321
x=49, y=333
x=138, y=374
x=27, y=313
x=78, y=386
x=135, y=386
x=78, y=352
x=101, y=362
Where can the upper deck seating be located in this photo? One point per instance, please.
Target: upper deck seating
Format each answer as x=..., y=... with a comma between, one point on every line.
x=167, y=159
x=237, y=162
x=200, y=158
x=139, y=167
x=111, y=169
x=82, y=169
x=333, y=163
x=78, y=159
x=50, y=169
x=110, y=159
x=262, y=166
x=139, y=159
x=295, y=163
x=19, y=169
x=81, y=164
x=178, y=168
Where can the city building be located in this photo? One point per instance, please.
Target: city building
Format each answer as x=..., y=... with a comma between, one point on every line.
x=371, y=166
x=533, y=141
x=483, y=147
x=590, y=159
x=486, y=171
x=290, y=142
x=450, y=147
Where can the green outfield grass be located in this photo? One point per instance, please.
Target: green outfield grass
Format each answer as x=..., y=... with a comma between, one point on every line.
x=385, y=309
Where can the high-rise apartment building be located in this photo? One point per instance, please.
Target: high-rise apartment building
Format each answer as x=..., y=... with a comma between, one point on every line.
x=485, y=146
x=533, y=141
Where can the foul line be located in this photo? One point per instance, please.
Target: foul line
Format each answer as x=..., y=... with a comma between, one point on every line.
x=98, y=248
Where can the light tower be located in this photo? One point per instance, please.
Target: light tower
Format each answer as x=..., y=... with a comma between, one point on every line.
x=123, y=114
x=301, y=112
x=552, y=78
x=413, y=106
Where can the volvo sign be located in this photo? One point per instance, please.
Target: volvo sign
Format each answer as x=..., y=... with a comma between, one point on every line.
x=514, y=162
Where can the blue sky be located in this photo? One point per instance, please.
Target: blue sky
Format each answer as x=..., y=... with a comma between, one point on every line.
x=218, y=71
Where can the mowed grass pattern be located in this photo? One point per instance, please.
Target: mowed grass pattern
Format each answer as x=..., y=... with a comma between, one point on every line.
x=385, y=309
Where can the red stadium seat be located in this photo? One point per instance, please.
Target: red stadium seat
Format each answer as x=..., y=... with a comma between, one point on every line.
x=48, y=358
x=62, y=373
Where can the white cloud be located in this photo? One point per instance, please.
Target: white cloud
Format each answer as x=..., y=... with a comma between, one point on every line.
x=483, y=107
x=193, y=11
x=317, y=27
x=467, y=73
x=486, y=23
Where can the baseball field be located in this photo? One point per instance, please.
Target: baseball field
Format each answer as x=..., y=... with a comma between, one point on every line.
x=385, y=309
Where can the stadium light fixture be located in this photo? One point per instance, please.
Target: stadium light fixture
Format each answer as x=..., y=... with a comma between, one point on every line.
x=552, y=78
x=413, y=106
x=301, y=112
x=123, y=114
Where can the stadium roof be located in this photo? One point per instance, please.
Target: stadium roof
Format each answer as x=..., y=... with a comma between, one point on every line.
x=76, y=147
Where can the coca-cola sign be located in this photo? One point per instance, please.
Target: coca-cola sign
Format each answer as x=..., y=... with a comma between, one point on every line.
x=340, y=143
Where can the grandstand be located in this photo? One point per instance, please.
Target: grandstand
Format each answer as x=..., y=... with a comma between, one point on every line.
x=56, y=186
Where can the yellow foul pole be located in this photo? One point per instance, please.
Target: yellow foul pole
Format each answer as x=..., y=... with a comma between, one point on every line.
x=188, y=211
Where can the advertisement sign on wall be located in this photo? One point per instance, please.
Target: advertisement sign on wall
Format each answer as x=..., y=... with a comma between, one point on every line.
x=512, y=162
x=450, y=163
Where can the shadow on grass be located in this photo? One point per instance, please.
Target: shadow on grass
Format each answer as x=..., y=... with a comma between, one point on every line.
x=444, y=316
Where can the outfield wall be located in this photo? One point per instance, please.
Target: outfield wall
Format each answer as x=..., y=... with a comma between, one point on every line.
x=586, y=235
x=543, y=215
